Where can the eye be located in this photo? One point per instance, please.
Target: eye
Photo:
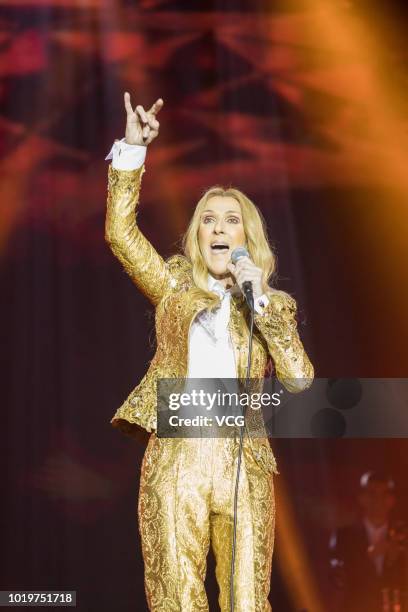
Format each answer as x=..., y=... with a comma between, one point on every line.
x=207, y=219
x=233, y=220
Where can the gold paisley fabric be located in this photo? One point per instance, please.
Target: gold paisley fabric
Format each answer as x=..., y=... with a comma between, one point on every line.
x=186, y=488
x=186, y=502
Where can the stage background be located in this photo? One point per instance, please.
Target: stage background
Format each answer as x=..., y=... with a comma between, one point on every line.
x=299, y=104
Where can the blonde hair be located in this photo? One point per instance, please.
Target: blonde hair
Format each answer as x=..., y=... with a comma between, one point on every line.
x=257, y=243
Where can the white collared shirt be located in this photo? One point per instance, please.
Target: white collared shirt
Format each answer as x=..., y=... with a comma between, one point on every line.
x=210, y=350
x=376, y=535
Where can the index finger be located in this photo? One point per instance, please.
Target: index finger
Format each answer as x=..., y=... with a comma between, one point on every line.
x=243, y=260
x=156, y=106
x=128, y=105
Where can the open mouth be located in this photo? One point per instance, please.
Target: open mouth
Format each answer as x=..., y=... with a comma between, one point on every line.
x=219, y=247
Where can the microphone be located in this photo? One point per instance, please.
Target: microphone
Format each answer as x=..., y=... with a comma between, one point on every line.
x=246, y=285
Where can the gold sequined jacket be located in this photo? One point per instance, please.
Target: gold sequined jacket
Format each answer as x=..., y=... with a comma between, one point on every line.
x=168, y=284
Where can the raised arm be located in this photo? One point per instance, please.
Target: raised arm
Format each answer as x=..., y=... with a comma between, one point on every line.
x=278, y=326
x=139, y=258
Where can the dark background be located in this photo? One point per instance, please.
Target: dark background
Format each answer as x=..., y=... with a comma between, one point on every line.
x=302, y=105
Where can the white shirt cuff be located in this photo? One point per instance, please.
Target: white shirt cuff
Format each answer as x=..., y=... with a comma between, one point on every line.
x=260, y=304
x=125, y=156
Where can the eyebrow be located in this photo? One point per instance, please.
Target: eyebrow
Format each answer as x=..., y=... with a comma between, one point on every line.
x=236, y=212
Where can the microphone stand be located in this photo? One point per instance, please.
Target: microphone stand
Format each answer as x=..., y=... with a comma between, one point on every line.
x=247, y=287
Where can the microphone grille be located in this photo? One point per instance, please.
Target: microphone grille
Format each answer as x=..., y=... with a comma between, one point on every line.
x=238, y=253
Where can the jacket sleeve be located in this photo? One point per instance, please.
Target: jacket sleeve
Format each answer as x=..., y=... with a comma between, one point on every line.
x=141, y=261
x=278, y=326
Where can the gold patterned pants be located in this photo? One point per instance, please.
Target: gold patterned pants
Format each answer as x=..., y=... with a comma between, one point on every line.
x=186, y=501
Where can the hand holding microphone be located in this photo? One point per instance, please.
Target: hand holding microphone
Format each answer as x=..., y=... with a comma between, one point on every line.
x=247, y=274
